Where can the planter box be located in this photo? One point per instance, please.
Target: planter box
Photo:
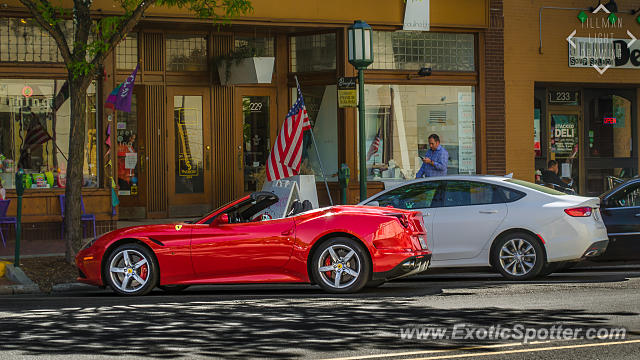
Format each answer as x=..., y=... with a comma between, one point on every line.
x=253, y=70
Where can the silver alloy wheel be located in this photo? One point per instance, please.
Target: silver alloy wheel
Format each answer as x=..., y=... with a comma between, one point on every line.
x=517, y=257
x=129, y=270
x=342, y=263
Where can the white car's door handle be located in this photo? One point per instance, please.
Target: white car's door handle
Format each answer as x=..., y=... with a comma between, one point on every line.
x=427, y=214
x=488, y=211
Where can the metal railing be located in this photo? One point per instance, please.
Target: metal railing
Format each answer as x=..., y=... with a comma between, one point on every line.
x=613, y=181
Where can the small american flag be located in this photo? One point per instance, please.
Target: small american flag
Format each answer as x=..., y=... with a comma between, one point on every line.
x=36, y=135
x=286, y=154
x=375, y=145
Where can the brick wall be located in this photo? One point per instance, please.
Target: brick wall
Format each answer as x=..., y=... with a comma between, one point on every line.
x=495, y=90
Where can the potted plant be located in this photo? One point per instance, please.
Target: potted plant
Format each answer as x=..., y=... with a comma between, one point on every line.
x=244, y=65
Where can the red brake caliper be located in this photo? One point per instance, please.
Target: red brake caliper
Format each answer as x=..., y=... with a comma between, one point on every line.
x=144, y=271
x=327, y=262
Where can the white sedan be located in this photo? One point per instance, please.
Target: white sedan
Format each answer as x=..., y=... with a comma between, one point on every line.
x=521, y=229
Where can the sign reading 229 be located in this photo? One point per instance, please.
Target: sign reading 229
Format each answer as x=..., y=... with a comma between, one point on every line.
x=255, y=106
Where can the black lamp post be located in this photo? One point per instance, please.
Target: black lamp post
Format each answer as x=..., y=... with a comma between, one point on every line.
x=361, y=56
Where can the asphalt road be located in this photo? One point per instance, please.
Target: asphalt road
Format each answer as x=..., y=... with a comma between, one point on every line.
x=299, y=321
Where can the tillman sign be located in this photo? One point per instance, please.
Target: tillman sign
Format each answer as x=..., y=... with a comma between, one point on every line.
x=604, y=52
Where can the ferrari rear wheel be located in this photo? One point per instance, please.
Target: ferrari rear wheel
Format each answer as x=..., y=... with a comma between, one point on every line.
x=340, y=265
x=131, y=270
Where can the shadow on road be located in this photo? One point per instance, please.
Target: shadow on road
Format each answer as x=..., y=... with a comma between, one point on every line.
x=197, y=324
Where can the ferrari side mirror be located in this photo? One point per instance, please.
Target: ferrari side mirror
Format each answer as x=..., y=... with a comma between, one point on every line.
x=220, y=220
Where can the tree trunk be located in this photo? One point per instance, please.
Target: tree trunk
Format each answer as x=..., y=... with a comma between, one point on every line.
x=75, y=166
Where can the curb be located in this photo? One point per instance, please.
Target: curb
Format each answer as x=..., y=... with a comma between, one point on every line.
x=72, y=287
x=24, y=286
x=16, y=274
x=19, y=289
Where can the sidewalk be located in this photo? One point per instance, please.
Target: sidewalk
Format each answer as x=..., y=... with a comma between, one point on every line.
x=55, y=245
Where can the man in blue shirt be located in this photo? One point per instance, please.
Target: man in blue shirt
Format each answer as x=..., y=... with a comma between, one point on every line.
x=435, y=162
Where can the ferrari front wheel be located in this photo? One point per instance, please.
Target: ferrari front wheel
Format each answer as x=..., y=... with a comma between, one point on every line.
x=131, y=270
x=341, y=265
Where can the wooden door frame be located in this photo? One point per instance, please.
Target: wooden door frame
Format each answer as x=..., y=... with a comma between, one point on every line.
x=173, y=198
x=239, y=92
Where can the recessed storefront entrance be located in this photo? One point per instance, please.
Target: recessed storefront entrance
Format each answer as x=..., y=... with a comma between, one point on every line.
x=188, y=151
x=590, y=132
x=255, y=130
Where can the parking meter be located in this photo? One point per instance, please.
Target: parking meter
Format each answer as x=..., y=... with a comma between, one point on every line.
x=343, y=177
x=19, y=191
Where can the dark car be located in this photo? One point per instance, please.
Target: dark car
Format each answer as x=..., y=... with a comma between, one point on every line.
x=620, y=209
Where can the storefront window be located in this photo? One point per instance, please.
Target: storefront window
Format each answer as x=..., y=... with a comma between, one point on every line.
x=23, y=40
x=411, y=50
x=186, y=52
x=400, y=118
x=263, y=46
x=313, y=52
x=322, y=107
x=610, y=127
x=127, y=53
x=34, y=133
x=537, y=110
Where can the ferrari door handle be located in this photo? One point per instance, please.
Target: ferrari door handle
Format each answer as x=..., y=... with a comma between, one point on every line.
x=287, y=232
x=488, y=211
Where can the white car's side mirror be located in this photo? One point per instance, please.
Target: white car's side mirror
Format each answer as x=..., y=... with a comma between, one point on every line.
x=373, y=203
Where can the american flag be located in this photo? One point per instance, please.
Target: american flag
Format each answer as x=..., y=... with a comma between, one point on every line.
x=36, y=135
x=375, y=145
x=286, y=155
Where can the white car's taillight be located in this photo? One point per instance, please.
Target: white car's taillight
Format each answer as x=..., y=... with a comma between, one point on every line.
x=579, y=211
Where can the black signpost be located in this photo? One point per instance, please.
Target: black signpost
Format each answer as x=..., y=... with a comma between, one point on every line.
x=19, y=192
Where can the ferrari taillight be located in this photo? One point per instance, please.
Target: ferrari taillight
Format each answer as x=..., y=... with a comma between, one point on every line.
x=402, y=218
x=584, y=211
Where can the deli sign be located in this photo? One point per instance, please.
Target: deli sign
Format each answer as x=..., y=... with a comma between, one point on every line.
x=604, y=51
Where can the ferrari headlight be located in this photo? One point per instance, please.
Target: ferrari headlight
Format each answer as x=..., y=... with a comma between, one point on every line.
x=88, y=244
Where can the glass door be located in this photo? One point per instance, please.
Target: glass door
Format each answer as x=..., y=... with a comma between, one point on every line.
x=564, y=143
x=255, y=133
x=131, y=158
x=189, y=150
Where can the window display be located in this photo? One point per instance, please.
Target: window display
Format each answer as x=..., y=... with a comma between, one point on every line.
x=400, y=118
x=322, y=106
x=34, y=133
x=127, y=130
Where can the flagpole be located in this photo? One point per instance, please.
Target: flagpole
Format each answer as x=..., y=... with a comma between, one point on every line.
x=61, y=153
x=315, y=145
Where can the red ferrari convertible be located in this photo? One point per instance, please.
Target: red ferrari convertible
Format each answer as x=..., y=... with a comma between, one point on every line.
x=340, y=248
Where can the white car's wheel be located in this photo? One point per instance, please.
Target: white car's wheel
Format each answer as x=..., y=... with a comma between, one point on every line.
x=341, y=265
x=518, y=256
x=131, y=270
